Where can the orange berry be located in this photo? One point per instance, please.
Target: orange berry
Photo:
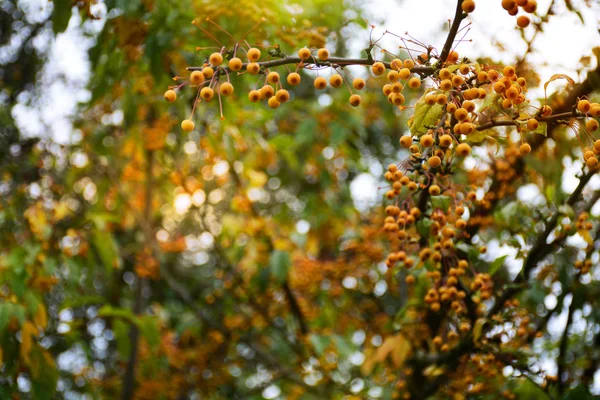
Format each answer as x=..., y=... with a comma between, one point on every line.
x=358, y=83
x=323, y=54
x=216, y=59
x=446, y=85
x=584, y=106
x=187, y=125
x=207, y=93
x=226, y=88
x=406, y=141
x=404, y=73
x=336, y=80
x=282, y=95
x=304, y=53
x=378, y=68
x=452, y=57
x=458, y=80
x=523, y=21
x=320, y=83
x=525, y=149
x=592, y=162
x=273, y=77
x=208, y=72
x=463, y=150
x=508, y=4
x=355, y=100
x=293, y=78
x=253, y=54
x=597, y=145
x=445, y=73
x=434, y=161
x=530, y=6
x=468, y=6
x=482, y=76
x=591, y=125
x=414, y=82
x=461, y=114
x=595, y=110
x=253, y=68
x=266, y=92
x=170, y=96
x=408, y=64
x=426, y=140
x=273, y=102
x=197, y=77
x=434, y=190
x=254, y=96
x=235, y=64
x=445, y=140
x=532, y=124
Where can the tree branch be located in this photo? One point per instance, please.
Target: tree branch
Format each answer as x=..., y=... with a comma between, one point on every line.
x=459, y=15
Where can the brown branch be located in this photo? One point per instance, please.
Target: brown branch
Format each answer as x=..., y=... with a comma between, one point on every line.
x=331, y=62
x=459, y=15
x=139, y=301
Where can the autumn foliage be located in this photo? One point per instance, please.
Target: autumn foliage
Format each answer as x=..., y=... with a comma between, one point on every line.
x=202, y=238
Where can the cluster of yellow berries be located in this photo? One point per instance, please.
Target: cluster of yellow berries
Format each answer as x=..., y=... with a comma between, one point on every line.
x=512, y=7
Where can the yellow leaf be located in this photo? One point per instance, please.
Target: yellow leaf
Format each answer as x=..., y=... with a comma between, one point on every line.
x=397, y=347
x=478, y=328
x=585, y=234
x=28, y=332
x=40, y=319
x=559, y=76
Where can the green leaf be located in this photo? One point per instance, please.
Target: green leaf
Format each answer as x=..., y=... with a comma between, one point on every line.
x=423, y=226
x=149, y=329
x=121, y=330
x=319, y=342
x=61, y=15
x=112, y=312
x=106, y=249
x=496, y=264
x=44, y=374
x=425, y=116
x=280, y=265
x=479, y=136
x=441, y=202
x=542, y=129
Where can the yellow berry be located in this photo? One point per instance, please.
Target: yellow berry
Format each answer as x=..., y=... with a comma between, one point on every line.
x=273, y=102
x=523, y=21
x=532, y=124
x=468, y=6
x=584, y=106
x=591, y=125
x=207, y=93
x=320, y=83
x=187, y=125
x=293, y=79
x=266, y=92
x=426, y=140
x=254, y=96
x=282, y=95
x=409, y=64
x=525, y=149
x=378, y=68
x=358, y=83
x=336, y=80
x=434, y=161
x=445, y=140
x=463, y=150
x=323, y=54
x=414, y=82
x=592, y=162
x=434, y=190
x=216, y=59
x=355, y=100
x=404, y=73
x=253, y=54
x=226, y=88
x=273, y=77
x=304, y=53
x=406, y=141
x=170, y=96
x=197, y=77
x=208, y=72
x=253, y=68
x=235, y=64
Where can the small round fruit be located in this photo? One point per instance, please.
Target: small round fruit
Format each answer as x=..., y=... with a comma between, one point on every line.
x=266, y=92
x=273, y=77
x=414, y=82
x=207, y=93
x=170, y=96
x=591, y=125
x=253, y=68
x=358, y=83
x=293, y=79
x=532, y=124
x=468, y=6
x=320, y=83
x=426, y=140
x=226, y=88
x=355, y=100
x=273, y=102
x=523, y=21
x=434, y=161
x=434, y=190
x=597, y=145
x=406, y=141
x=323, y=54
x=463, y=150
x=445, y=140
x=336, y=80
x=409, y=64
x=404, y=73
x=187, y=125
x=254, y=96
x=235, y=64
x=282, y=95
x=584, y=106
x=592, y=162
x=378, y=68
x=525, y=149
x=216, y=59
x=208, y=72
x=304, y=53
x=253, y=54
x=197, y=77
